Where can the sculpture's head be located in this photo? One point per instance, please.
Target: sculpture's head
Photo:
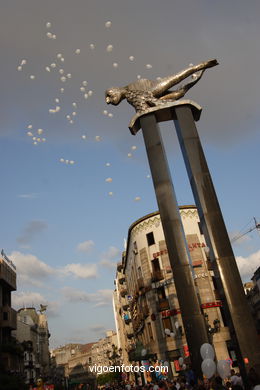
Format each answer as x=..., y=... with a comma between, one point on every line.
x=114, y=96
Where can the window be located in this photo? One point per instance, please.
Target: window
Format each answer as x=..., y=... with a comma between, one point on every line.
x=150, y=331
x=167, y=324
x=161, y=293
x=150, y=239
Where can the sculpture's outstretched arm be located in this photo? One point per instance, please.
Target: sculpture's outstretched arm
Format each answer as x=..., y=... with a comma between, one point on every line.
x=168, y=82
x=179, y=93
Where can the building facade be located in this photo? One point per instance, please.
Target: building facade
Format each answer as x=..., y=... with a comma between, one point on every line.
x=253, y=297
x=150, y=300
x=8, y=316
x=33, y=333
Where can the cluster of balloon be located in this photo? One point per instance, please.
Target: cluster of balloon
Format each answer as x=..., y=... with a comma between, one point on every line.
x=209, y=367
x=168, y=332
x=181, y=363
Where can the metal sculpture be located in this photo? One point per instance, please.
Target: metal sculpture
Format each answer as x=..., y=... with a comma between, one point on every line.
x=145, y=94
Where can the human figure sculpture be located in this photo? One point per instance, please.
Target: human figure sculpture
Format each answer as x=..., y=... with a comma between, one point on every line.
x=144, y=94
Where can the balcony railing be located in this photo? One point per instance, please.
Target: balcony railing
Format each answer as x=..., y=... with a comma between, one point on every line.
x=8, y=317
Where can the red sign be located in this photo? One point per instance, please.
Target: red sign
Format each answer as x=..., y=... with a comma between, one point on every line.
x=186, y=350
x=208, y=305
x=156, y=254
x=168, y=313
x=191, y=247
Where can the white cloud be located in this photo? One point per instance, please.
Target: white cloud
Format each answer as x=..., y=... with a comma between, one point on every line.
x=27, y=299
x=248, y=265
x=30, y=270
x=99, y=298
x=85, y=246
x=34, y=299
x=81, y=271
x=108, y=257
x=28, y=196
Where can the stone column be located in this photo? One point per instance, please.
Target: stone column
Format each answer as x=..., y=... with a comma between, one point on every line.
x=193, y=320
x=215, y=231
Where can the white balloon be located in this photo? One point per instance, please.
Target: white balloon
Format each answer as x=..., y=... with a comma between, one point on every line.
x=109, y=48
x=97, y=138
x=180, y=360
x=19, y=68
x=90, y=93
x=137, y=198
x=61, y=159
x=59, y=55
x=82, y=89
x=167, y=331
x=92, y=46
x=83, y=136
x=47, y=68
x=48, y=25
x=61, y=71
x=110, y=193
x=32, y=77
x=54, y=36
x=109, y=180
x=115, y=65
x=57, y=100
x=62, y=90
x=69, y=75
x=40, y=131
x=208, y=368
x=110, y=115
x=207, y=351
x=85, y=95
x=223, y=368
x=29, y=127
x=184, y=366
x=62, y=59
x=53, y=65
x=105, y=112
x=133, y=147
x=143, y=352
x=131, y=58
x=29, y=133
x=77, y=51
x=85, y=83
x=172, y=334
x=149, y=66
x=63, y=79
x=49, y=35
x=129, y=154
x=108, y=24
x=23, y=62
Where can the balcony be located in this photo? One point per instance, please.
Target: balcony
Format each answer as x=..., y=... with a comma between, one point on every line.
x=8, y=317
x=125, y=306
x=119, y=266
x=140, y=283
x=156, y=276
x=123, y=292
x=163, y=304
x=121, y=280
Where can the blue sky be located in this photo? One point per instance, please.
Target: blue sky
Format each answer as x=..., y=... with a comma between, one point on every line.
x=59, y=224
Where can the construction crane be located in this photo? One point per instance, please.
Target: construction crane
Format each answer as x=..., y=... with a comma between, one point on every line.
x=240, y=234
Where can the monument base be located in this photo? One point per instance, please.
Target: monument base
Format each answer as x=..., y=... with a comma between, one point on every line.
x=165, y=113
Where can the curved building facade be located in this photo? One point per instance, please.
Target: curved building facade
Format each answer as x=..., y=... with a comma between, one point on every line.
x=151, y=306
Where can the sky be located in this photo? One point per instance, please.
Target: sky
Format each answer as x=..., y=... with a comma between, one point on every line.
x=73, y=177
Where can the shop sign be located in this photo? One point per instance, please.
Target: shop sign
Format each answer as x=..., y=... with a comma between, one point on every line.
x=163, y=283
x=191, y=247
x=169, y=313
x=208, y=305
